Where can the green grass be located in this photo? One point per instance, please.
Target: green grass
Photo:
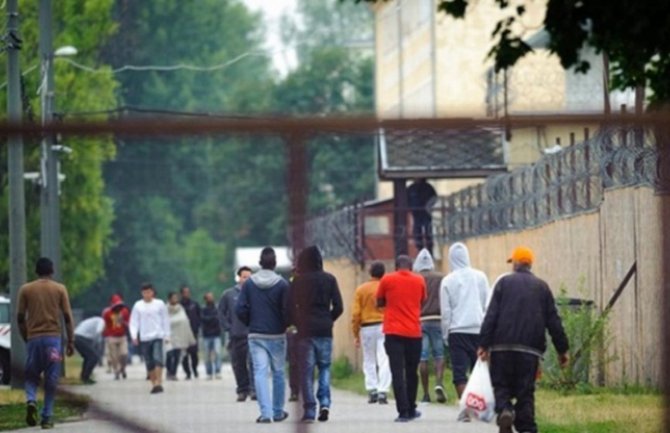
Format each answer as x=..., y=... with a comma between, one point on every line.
x=344, y=377
x=13, y=402
x=13, y=408
x=628, y=409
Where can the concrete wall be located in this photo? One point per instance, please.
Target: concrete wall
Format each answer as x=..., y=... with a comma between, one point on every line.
x=589, y=255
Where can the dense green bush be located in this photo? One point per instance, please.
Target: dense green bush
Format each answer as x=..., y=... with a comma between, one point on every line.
x=585, y=328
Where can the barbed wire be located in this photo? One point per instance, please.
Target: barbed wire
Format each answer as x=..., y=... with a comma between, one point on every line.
x=558, y=185
x=565, y=183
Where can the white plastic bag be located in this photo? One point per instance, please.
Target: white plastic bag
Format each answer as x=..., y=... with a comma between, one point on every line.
x=477, y=399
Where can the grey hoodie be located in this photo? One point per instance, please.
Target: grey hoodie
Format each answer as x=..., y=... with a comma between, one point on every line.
x=463, y=294
x=424, y=266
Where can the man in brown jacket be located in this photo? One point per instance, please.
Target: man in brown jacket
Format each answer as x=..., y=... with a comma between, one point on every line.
x=41, y=303
x=431, y=327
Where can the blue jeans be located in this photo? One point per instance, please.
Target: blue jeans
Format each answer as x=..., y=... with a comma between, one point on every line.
x=431, y=338
x=43, y=356
x=315, y=352
x=269, y=354
x=212, y=354
x=153, y=353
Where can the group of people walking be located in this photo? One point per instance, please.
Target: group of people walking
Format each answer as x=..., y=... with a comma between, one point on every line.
x=400, y=319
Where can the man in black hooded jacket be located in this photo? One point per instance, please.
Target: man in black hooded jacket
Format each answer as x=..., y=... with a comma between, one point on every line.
x=315, y=303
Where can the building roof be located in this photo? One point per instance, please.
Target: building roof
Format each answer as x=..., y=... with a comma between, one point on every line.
x=442, y=154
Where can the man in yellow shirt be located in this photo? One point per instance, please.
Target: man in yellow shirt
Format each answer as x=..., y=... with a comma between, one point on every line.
x=366, y=321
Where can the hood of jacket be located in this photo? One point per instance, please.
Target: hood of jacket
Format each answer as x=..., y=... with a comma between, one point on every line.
x=116, y=301
x=310, y=260
x=424, y=262
x=459, y=257
x=265, y=278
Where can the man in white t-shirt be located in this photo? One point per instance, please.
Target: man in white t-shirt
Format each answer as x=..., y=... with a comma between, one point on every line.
x=150, y=327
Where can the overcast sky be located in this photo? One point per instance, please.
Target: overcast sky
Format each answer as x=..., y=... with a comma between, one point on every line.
x=272, y=11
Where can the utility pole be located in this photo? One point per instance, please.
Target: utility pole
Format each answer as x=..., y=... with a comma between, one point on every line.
x=17, y=208
x=49, y=198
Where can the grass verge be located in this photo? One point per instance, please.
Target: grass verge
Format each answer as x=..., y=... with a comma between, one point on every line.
x=592, y=410
x=13, y=401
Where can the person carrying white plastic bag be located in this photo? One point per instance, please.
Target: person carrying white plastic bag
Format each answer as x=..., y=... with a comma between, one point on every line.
x=477, y=399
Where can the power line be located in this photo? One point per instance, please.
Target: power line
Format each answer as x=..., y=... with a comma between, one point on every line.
x=179, y=66
x=166, y=68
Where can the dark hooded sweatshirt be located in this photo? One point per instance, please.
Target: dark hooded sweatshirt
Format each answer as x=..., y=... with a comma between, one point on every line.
x=262, y=305
x=314, y=297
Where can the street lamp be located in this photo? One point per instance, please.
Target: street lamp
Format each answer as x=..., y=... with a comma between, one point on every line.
x=49, y=165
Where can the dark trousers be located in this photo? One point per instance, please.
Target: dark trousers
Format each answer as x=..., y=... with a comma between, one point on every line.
x=191, y=361
x=422, y=229
x=238, y=347
x=404, y=354
x=513, y=377
x=293, y=363
x=172, y=361
x=88, y=350
x=463, y=351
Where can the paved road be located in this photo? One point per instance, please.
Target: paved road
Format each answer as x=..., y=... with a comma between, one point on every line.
x=206, y=406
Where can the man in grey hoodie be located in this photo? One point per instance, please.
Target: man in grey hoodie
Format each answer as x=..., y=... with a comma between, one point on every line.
x=262, y=306
x=463, y=295
x=431, y=331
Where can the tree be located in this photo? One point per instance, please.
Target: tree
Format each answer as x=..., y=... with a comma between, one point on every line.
x=177, y=199
x=86, y=213
x=631, y=33
x=334, y=77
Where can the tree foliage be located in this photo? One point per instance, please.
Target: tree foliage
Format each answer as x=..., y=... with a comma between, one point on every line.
x=631, y=33
x=333, y=78
x=177, y=199
x=86, y=214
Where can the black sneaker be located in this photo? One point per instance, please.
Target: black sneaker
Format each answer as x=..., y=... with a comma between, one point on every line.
x=417, y=414
x=382, y=399
x=47, y=424
x=156, y=389
x=242, y=396
x=323, y=414
x=403, y=419
x=307, y=420
x=505, y=421
x=263, y=420
x=253, y=396
x=31, y=413
x=280, y=418
x=425, y=399
x=373, y=397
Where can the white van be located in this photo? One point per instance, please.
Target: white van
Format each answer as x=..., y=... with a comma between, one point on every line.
x=5, y=340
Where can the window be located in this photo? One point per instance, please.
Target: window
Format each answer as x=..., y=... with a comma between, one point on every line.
x=377, y=225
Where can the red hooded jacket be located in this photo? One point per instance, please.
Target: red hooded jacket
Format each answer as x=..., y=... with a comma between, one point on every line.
x=116, y=318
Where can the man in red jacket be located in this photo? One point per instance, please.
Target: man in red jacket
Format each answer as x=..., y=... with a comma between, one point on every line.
x=116, y=318
x=402, y=293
